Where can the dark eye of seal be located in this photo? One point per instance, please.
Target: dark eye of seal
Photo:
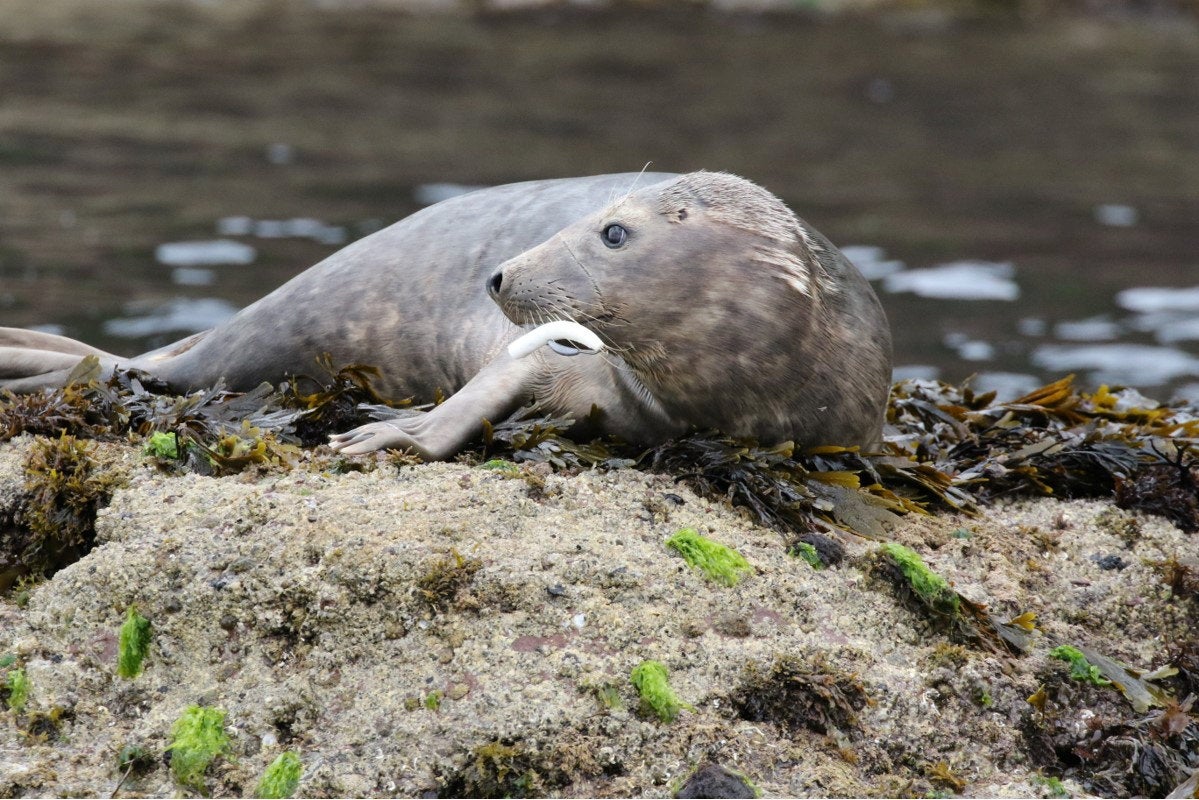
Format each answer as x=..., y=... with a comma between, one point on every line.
x=614, y=236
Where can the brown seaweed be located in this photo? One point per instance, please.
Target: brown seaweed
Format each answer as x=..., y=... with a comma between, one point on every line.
x=945, y=446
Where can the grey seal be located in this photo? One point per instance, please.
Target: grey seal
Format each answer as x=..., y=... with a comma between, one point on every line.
x=705, y=302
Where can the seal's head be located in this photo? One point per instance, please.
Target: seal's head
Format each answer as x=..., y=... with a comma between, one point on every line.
x=726, y=307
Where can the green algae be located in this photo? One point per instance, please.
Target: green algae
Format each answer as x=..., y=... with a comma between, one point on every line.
x=162, y=445
x=808, y=553
x=1080, y=668
x=281, y=778
x=718, y=562
x=197, y=738
x=18, y=689
x=652, y=682
x=932, y=590
x=133, y=643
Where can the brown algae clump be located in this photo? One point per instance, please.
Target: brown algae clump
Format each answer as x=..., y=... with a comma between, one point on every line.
x=52, y=522
x=445, y=578
x=197, y=738
x=718, y=562
x=809, y=693
x=497, y=769
x=652, y=682
x=133, y=642
x=281, y=778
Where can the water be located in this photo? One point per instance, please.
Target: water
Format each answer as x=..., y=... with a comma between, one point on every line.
x=1091, y=347
x=1024, y=196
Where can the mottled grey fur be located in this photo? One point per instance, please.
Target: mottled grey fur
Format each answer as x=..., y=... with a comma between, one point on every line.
x=722, y=310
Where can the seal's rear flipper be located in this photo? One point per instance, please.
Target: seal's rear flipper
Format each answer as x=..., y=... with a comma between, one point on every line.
x=36, y=340
x=31, y=360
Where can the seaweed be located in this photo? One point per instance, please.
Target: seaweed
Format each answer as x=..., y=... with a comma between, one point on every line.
x=131, y=758
x=16, y=684
x=608, y=696
x=941, y=773
x=962, y=617
x=933, y=591
x=52, y=522
x=444, y=578
x=162, y=446
x=1166, y=488
x=339, y=399
x=1080, y=668
x=527, y=436
x=281, y=778
x=657, y=697
x=713, y=780
x=1052, y=784
x=946, y=447
x=1181, y=576
x=1074, y=731
x=837, y=487
x=807, y=552
x=715, y=560
x=1054, y=440
x=497, y=769
x=796, y=692
x=46, y=726
x=133, y=643
x=197, y=738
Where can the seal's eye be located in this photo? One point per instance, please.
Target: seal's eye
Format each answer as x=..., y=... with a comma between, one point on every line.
x=614, y=236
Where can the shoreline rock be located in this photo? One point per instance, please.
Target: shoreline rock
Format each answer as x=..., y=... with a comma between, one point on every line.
x=452, y=629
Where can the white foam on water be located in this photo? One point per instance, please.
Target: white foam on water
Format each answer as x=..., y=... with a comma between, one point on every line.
x=271, y=229
x=969, y=349
x=1135, y=364
x=204, y=253
x=1188, y=392
x=915, y=372
x=1006, y=385
x=958, y=280
x=1091, y=329
x=192, y=276
x=429, y=193
x=234, y=226
x=871, y=261
x=1117, y=215
x=185, y=315
x=1145, y=299
x=331, y=234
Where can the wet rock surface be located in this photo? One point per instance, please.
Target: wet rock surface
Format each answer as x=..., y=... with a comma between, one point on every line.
x=448, y=629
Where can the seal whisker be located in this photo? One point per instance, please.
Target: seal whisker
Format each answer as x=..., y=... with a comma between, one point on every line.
x=638, y=177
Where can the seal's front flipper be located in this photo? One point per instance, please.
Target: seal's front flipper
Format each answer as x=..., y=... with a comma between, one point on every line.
x=493, y=394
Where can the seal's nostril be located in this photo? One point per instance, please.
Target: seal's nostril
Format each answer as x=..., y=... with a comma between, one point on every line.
x=494, y=282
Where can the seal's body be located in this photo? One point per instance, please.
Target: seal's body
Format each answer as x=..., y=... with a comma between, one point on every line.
x=716, y=305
